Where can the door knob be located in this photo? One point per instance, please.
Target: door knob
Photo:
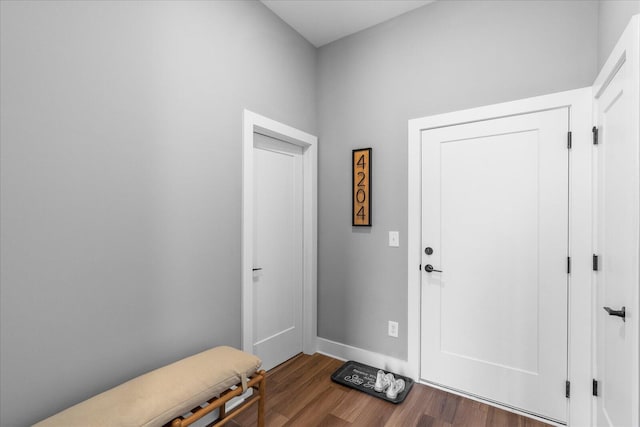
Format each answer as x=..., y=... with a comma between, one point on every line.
x=429, y=268
x=257, y=269
x=620, y=313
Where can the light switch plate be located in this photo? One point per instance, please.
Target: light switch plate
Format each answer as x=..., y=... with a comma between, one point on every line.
x=394, y=239
x=393, y=329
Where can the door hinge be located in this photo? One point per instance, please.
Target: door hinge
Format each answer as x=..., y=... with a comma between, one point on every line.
x=595, y=135
x=595, y=262
x=567, y=389
x=594, y=389
x=568, y=265
x=569, y=140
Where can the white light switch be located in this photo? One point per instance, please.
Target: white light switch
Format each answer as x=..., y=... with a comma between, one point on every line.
x=393, y=329
x=394, y=239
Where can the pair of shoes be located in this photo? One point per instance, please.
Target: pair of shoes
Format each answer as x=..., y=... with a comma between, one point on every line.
x=396, y=387
x=389, y=383
x=383, y=381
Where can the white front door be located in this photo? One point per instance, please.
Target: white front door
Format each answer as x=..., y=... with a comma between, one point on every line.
x=277, y=250
x=495, y=223
x=617, y=215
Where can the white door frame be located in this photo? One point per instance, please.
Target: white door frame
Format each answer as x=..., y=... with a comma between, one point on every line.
x=253, y=122
x=580, y=212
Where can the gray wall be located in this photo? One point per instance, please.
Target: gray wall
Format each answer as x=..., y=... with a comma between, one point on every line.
x=613, y=17
x=121, y=184
x=446, y=56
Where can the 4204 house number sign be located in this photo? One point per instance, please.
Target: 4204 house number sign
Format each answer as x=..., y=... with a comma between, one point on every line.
x=361, y=194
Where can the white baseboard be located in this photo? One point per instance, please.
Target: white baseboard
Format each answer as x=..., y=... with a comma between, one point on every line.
x=346, y=352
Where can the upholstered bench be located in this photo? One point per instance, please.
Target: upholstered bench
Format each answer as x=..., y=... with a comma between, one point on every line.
x=176, y=395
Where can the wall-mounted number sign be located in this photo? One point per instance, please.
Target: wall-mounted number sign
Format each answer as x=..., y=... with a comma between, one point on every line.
x=361, y=172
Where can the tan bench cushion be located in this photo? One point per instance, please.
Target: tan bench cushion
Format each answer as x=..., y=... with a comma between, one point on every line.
x=159, y=396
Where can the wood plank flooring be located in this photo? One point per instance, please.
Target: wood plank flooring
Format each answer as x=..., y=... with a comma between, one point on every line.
x=300, y=393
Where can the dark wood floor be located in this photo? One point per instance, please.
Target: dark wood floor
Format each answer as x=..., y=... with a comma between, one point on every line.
x=300, y=393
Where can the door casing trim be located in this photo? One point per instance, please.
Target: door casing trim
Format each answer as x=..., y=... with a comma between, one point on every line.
x=580, y=212
x=253, y=122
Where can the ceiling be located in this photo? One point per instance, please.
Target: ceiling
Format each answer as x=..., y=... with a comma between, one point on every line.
x=324, y=21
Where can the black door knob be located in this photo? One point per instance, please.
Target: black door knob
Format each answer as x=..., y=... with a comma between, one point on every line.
x=620, y=313
x=429, y=268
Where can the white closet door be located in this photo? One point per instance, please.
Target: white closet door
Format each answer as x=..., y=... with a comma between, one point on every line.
x=617, y=235
x=277, y=256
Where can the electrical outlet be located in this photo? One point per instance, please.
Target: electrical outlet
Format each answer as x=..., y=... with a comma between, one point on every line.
x=393, y=329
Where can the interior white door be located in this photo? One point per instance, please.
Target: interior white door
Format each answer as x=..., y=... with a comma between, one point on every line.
x=495, y=222
x=617, y=216
x=277, y=251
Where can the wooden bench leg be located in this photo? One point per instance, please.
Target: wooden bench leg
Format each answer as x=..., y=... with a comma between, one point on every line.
x=263, y=393
x=257, y=383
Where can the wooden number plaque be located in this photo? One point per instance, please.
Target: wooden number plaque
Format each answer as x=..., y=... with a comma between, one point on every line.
x=361, y=194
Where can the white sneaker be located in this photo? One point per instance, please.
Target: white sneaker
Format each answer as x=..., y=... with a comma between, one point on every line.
x=381, y=382
x=390, y=378
x=394, y=388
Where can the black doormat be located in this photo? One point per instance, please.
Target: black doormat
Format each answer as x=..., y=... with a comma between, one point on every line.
x=363, y=378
